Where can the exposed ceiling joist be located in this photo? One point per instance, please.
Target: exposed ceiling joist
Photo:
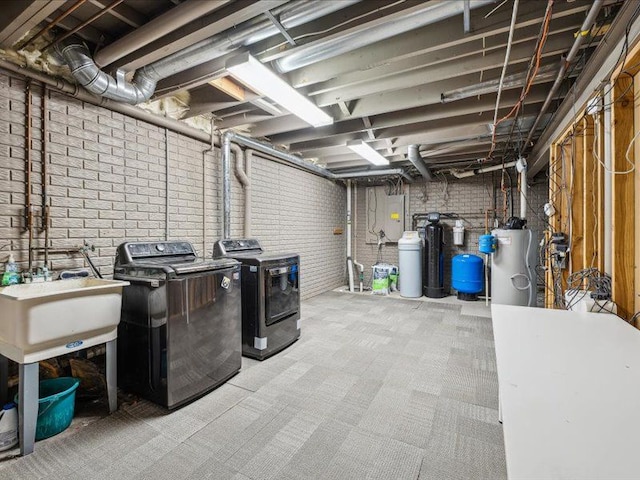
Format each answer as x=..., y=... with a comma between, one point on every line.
x=225, y=18
x=231, y=88
x=122, y=12
x=435, y=37
x=20, y=16
x=297, y=131
x=486, y=46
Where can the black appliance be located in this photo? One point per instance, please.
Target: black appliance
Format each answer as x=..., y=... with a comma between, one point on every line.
x=515, y=223
x=434, y=257
x=180, y=331
x=270, y=296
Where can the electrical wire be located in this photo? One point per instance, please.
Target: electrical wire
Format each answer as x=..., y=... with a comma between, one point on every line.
x=585, y=283
x=512, y=28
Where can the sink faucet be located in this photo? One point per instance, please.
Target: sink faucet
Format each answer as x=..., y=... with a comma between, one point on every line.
x=84, y=251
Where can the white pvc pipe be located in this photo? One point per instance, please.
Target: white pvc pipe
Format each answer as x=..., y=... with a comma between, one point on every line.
x=248, y=157
x=471, y=173
x=523, y=193
x=486, y=280
x=349, y=259
x=608, y=187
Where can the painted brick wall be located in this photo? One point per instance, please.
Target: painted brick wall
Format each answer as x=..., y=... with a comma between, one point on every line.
x=468, y=197
x=108, y=183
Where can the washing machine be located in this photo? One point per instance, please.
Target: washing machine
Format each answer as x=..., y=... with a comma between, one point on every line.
x=179, y=335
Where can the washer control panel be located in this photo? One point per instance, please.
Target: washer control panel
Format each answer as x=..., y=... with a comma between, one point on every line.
x=135, y=250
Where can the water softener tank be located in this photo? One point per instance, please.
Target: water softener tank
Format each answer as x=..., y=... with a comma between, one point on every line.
x=466, y=276
x=410, y=259
x=434, y=257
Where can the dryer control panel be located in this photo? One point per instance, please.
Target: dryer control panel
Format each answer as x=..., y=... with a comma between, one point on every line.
x=224, y=247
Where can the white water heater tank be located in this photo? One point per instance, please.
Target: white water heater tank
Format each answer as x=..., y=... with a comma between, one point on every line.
x=513, y=268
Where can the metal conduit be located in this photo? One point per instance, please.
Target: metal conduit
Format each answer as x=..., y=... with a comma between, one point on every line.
x=371, y=173
x=584, y=29
x=84, y=69
x=426, y=13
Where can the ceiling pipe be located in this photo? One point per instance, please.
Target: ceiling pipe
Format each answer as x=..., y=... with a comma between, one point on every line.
x=75, y=54
x=160, y=26
x=515, y=80
x=63, y=86
x=243, y=172
x=371, y=173
x=256, y=145
x=413, y=155
x=595, y=74
x=471, y=173
x=377, y=30
x=584, y=31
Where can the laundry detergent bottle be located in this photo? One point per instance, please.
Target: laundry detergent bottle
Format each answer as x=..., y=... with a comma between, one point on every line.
x=11, y=275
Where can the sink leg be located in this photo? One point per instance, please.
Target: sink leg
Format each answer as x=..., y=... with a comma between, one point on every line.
x=4, y=379
x=112, y=375
x=28, y=407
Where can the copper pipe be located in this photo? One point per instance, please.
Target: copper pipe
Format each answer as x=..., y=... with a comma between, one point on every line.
x=52, y=24
x=85, y=23
x=45, y=173
x=29, y=206
x=58, y=251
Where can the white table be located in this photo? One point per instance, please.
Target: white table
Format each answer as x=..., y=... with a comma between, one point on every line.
x=569, y=393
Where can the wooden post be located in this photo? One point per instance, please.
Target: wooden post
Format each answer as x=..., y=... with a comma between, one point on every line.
x=623, y=221
x=575, y=205
x=589, y=196
x=599, y=128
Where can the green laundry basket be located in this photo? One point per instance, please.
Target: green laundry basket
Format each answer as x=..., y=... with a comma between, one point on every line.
x=56, y=405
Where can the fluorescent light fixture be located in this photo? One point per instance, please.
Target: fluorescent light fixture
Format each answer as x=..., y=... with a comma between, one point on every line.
x=366, y=152
x=262, y=80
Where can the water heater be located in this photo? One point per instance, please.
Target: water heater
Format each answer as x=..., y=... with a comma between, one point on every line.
x=513, y=274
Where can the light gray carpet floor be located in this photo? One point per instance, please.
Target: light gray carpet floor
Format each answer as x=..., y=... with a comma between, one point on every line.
x=376, y=388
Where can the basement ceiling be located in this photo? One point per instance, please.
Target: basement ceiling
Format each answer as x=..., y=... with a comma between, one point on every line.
x=433, y=84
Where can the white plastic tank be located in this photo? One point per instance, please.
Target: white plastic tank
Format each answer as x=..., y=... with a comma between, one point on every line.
x=410, y=263
x=513, y=275
x=458, y=233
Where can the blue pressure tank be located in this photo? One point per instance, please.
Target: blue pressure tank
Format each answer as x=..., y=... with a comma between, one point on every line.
x=487, y=244
x=466, y=276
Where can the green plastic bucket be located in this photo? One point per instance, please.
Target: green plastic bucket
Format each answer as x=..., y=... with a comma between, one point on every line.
x=56, y=405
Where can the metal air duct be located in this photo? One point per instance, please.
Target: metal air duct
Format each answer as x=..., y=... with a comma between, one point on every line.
x=413, y=155
x=389, y=26
x=89, y=75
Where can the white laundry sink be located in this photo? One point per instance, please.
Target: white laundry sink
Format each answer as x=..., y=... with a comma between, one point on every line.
x=44, y=320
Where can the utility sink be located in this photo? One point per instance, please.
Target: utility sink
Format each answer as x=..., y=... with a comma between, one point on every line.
x=44, y=320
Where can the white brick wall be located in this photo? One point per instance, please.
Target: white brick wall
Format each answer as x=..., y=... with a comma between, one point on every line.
x=107, y=175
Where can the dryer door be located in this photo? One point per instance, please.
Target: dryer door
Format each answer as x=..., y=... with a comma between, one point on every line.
x=282, y=296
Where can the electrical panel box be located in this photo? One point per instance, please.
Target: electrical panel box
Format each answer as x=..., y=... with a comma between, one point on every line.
x=384, y=213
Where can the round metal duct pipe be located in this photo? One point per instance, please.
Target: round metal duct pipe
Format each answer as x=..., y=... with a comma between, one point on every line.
x=426, y=13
